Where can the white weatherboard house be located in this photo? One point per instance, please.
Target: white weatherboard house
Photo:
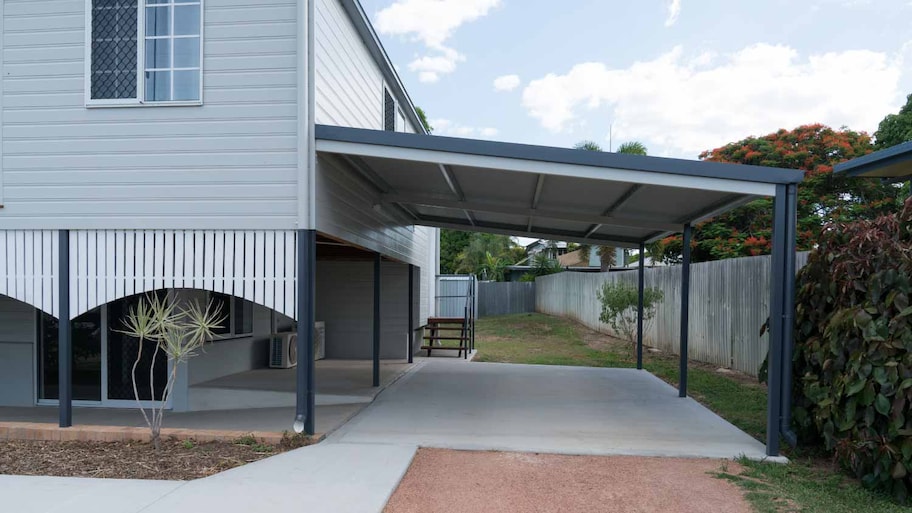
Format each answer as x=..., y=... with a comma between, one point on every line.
x=168, y=144
x=264, y=154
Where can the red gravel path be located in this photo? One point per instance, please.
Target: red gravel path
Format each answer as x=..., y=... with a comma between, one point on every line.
x=463, y=481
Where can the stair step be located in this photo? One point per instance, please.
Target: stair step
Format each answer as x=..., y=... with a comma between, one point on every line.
x=444, y=338
x=453, y=348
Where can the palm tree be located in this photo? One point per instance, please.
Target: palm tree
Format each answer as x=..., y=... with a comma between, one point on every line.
x=493, y=268
x=587, y=146
x=606, y=255
x=632, y=148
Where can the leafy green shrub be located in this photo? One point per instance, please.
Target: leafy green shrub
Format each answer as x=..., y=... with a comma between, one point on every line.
x=619, y=307
x=853, y=358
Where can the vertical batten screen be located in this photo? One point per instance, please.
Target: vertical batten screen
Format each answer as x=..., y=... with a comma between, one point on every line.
x=28, y=267
x=258, y=266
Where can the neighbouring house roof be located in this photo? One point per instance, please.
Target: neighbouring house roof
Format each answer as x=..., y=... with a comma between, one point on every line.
x=574, y=259
x=543, y=192
x=895, y=163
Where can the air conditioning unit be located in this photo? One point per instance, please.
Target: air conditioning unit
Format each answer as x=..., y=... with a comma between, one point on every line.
x=283, y=350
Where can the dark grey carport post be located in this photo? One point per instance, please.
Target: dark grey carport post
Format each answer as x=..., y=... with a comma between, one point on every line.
x=376, y=341
x=411, y=313
x=685, y=310
x=777, y=295
x=641, y=288
x=64, y=334
x=304, y=373
x=788, y=314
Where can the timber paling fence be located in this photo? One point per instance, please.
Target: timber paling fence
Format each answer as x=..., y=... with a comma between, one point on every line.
x=503, y=298
x=729, y=301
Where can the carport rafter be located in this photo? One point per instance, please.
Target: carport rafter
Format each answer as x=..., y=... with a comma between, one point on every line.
x=508, y=229
x=615, y=206
x=536, y=197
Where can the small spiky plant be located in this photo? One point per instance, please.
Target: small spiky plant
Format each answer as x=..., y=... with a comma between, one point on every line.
x=177, y=331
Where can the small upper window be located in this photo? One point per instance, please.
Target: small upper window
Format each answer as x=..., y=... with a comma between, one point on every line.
x=146, y=51
x=389, y=112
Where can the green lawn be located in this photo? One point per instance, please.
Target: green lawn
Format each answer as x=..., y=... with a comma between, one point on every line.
x=805, y=485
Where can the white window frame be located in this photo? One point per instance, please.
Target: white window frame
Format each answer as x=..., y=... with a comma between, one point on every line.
x=140, y=101
x=232, y=317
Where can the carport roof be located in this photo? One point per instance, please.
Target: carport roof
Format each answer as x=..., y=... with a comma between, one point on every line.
x=536, y=191
x=893, y=163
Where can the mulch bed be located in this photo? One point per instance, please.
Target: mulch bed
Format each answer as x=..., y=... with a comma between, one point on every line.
x=177, y=460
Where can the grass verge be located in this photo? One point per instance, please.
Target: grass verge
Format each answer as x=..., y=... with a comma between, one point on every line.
x=808, y=484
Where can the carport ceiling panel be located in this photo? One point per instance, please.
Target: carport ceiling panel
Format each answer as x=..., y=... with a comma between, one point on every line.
x=580, y=194
x=457, y=214
x=670, y=204
x=501, y=219
x=491, y=185
x=623, y=232
x=561, y=225
x=405, y=175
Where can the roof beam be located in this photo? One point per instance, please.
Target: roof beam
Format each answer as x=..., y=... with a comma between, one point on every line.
x=367, y=173
x=513, y=230
x=724, y=205
x=616, y=205
x=451, y=181
x=495, y=208
x=539, y=185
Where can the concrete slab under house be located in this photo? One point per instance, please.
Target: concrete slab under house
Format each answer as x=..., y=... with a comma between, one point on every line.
x=297, y=189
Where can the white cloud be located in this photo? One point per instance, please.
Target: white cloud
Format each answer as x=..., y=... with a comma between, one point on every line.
x=432, y=22
x=674, y=10
x=453, y=129
x=688, y=105
x=430, y=68
x=506, y=83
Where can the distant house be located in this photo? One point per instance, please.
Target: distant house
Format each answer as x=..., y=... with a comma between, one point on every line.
x=550, y=248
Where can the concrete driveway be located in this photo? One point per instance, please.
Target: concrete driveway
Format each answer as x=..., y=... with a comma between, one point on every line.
x=442, y=403
x=534, y=408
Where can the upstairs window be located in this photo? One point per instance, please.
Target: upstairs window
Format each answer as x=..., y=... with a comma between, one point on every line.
x=145, y=51
x=389, y=112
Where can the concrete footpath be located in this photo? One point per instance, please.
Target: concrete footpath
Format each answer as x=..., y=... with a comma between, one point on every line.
x=442, y=403
x=332, y=477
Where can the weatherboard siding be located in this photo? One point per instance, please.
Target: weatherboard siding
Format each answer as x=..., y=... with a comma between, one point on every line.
x=349, y=82
x=229, y=163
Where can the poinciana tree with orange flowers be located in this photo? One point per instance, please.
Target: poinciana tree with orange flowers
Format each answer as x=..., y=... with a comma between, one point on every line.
x=822, y=197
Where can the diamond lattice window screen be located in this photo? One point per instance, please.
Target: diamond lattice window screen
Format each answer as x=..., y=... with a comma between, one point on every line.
x=114, y=49
x=389, y=112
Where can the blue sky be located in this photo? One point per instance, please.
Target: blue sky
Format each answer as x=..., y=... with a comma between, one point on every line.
x=681, y=76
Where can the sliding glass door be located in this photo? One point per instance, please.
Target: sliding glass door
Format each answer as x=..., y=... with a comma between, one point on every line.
x=87, y=357
x=103, y=359
x=122, y=352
